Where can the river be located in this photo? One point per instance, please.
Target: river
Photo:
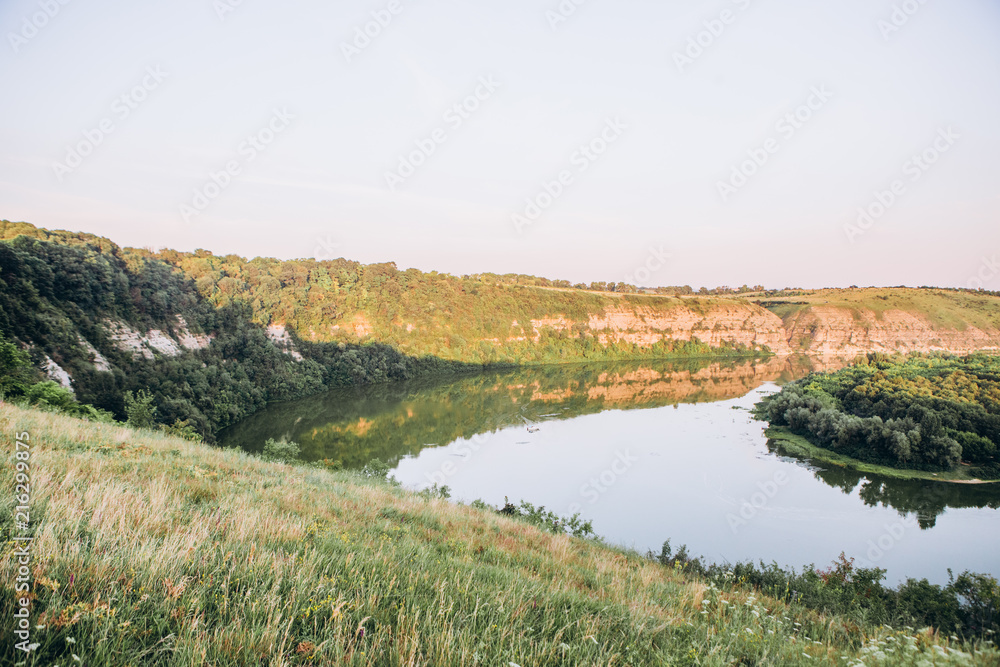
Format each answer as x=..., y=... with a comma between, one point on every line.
x=647, y=451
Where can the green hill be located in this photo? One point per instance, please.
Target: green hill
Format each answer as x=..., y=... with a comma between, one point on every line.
x=156, y=551
x=213, y=339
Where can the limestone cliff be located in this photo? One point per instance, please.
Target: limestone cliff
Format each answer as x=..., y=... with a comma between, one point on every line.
x=716, y=324
x=829, y=330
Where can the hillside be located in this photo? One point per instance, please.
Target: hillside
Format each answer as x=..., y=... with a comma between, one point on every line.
x=215, y=338
x=157, y=551
x=848, y=322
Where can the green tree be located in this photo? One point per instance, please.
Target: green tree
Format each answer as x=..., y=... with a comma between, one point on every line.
x=15, y=369
x=139, y=409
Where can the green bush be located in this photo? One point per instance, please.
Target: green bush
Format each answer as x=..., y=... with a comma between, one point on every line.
x=16, y=373
x=140, y=409
x=281, y=451
x=50, y=394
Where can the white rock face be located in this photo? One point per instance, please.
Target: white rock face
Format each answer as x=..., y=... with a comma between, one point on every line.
x=58, y=374
x=100, y=363
x=128, y=339
x=162, y=343
x=281, y=338
x=188, y=340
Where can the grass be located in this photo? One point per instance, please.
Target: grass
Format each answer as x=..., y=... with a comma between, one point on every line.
x=151, y=550
x=800, y=447
x=944, y=309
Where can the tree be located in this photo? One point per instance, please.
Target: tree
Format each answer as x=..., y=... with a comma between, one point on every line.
x=15, y=369
x=139, y=409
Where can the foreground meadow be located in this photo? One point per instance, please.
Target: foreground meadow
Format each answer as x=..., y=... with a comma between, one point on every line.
x=152, y=550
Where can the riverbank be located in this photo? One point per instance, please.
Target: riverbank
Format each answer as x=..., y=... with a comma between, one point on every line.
x=153, y=549
x=800, y=447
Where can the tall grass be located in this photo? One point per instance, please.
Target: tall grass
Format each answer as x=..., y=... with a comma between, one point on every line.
x=152, y=550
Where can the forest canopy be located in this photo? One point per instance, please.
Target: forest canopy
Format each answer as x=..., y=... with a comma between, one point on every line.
x=918, y=412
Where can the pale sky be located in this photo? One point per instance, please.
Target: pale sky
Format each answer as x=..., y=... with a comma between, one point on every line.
x=182, y=86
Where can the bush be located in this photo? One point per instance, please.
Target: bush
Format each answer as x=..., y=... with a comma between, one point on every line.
x=139, y=409
x=16, y=372
x=182, y=429
x=281, y=451
x=548, y=520
x=968, y=606
x=376, y=469
x=50, y=394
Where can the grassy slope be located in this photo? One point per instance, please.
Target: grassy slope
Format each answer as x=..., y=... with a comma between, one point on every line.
x=944, y=309
x=155, y=551
x=800, y=447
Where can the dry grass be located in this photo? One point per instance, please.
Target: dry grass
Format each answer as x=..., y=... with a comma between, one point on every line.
x=152, y=550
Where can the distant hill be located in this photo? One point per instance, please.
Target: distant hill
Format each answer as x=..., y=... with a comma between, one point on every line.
x=214, y=338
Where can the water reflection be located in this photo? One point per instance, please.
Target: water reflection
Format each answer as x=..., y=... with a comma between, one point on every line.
x=926, y=500
x=355, y=425
x=695, y=459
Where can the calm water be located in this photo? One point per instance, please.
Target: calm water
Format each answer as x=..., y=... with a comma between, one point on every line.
x=647, y=451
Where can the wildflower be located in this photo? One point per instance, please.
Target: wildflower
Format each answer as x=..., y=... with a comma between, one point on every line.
x=70, y=640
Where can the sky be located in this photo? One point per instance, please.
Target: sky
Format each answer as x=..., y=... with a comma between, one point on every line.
x=730, y=142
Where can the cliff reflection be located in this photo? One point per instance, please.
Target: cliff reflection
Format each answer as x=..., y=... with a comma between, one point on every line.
x=355, y=425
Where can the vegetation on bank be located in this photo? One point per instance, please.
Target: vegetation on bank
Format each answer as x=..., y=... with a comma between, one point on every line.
x=62, y=295
x=154, y=550
x=58, y=298
x=787, y=443
x=931, y=413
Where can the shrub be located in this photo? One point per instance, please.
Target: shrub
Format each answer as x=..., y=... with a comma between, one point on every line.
x=139, y=409
x=281, y=451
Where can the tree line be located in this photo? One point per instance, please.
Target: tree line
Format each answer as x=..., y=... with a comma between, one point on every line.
x=918, y=412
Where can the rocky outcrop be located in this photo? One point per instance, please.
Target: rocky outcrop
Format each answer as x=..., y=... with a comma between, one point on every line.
x=841, y=332
x=731, y=323
x=98, y=359
x=57, y=374
x=832, y=330
x=146, y=344
x=283, y=340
